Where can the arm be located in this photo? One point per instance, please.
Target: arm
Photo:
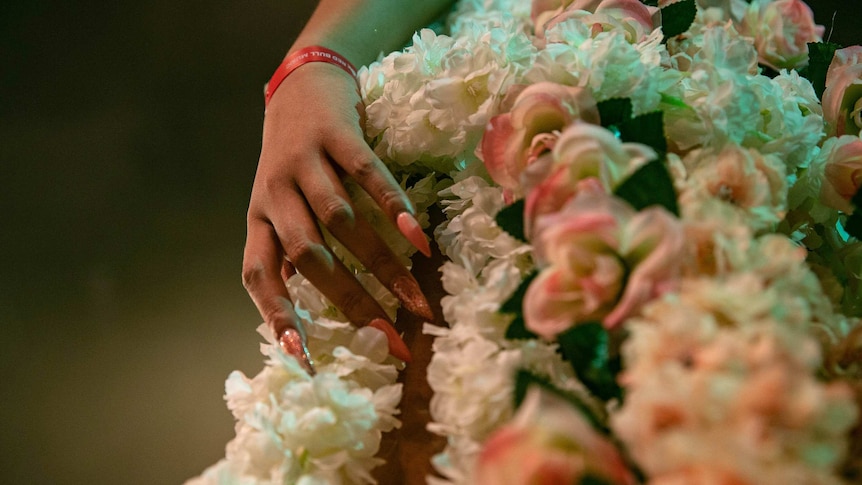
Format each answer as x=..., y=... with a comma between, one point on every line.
x=312, y=136
x=361, y=29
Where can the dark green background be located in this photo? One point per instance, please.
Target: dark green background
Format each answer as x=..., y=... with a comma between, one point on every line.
x=129, y=135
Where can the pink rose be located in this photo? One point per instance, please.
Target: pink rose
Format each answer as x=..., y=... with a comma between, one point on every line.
x=632, y=16
x=700, y=474
x=514, y=140
x=550, y=443
x=601, y=261
x=782, y=30
x=842, y=99
x=582, y=151
x=544, y=10
x=842, y=174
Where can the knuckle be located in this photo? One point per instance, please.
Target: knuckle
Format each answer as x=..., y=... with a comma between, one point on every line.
x=352, y=302
x=275, y=315
x=335, y=212
x=276, y=183
x=391, y=200
x=305, y=254
x=378, y=260
x=253, y=273
x=361, y=166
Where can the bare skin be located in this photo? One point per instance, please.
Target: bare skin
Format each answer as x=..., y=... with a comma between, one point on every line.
x=312, y=139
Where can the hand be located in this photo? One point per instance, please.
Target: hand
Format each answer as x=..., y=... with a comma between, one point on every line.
x=312, y=138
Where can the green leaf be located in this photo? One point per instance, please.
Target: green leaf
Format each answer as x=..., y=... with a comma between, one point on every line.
x=590, y=479
x=586, y=346
x=524, y=379
x=677, y=17
x=819, y=57
x=853, y=226
x=651, y=184
x=647, y=129
x=513, y=303
x=517, y=330
x=675, y=102
x=614, y=111
x=511, y=220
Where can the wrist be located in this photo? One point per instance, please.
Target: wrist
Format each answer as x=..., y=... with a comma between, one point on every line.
x=299, y=58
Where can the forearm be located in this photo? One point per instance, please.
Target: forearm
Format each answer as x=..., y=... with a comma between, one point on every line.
x=361, y=29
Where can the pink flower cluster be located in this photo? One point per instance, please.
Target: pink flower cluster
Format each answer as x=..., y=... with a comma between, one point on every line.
x=599, y=259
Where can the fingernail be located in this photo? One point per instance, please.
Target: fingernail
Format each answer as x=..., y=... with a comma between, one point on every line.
x=291, y=341
x=397, y=347
x=409, y=226
x=406, y=288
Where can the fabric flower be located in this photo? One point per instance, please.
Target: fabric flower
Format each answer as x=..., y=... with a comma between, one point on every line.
x=292, y=427
x=842, y=99
x=630, y=17
x=430, y=103
x=601, y=261
x=514, y=140
x=751, y=183
x=842, y=172
x=548, y=442
x=732, y=397
x=582, y=152
x=781, y=30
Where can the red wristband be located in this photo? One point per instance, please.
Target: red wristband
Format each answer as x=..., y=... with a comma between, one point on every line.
x=305, y=55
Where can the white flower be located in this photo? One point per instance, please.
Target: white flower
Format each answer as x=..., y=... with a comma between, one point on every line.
x=294, y=427
x=472, y=236
x=430, y=103
x=607, y=63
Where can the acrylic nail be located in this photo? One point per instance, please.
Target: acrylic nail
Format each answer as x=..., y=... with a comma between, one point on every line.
x=291, y=341
x=410, y=228
x=406, y=289
x=397, y=347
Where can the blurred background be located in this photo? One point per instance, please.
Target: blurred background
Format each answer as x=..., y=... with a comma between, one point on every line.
x=129, y=136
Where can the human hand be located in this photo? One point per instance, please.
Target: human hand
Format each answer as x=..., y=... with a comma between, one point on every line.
x=311, y=140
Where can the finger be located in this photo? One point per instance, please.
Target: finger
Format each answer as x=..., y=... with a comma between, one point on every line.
x=331, y=204
x=358, y=160
x=287, y=270
x=261, y=276
x=304, y=247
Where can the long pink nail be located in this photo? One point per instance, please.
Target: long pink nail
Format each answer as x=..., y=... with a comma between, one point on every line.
x=406, y=288
x=409, y=226
x=291, y=341
x=397, y=347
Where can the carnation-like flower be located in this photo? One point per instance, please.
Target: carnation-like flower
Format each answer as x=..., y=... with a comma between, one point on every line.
x=842, y=99
x=430, y=103
x=601, y=261
x=728, y=397
x=781, y=30
x=472, y=237
x=744, y=179
x=549, y=442
x=294, y=427
x=698, y=44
